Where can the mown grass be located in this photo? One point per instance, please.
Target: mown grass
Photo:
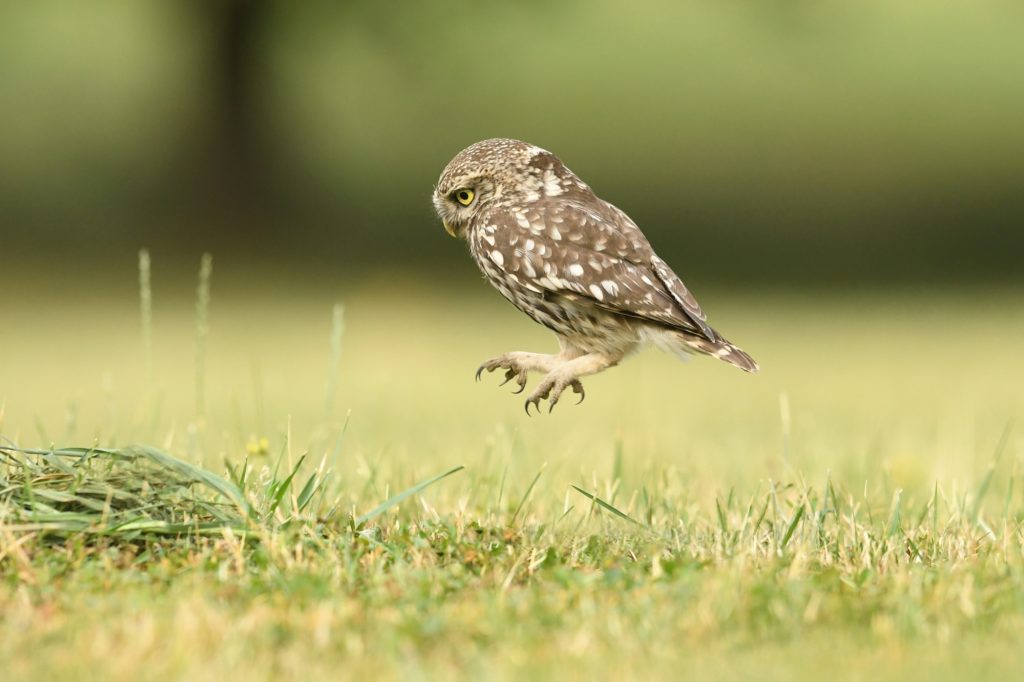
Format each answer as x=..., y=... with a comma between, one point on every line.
x=856, y=510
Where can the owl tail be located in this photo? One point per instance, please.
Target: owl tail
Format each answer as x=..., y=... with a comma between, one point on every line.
x=719, y=348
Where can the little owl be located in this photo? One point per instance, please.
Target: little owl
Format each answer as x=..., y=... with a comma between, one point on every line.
x=573, y=262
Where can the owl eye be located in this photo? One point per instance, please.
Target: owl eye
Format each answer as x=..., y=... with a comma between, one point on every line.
x=464, y=196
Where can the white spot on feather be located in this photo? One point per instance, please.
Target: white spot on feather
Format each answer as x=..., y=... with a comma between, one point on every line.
x=497, y=257
x=552, y=187
x=575, y=269
x=611, y=287
x=596, y=291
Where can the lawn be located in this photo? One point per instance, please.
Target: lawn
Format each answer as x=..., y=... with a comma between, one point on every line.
x=855, y=510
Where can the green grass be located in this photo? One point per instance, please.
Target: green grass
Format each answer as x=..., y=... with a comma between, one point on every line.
x=854, y=511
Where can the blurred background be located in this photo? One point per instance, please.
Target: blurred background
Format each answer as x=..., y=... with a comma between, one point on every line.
x=770, y=143
x=842, y=185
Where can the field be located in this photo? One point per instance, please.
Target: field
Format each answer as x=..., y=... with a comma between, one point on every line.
x=853, y=511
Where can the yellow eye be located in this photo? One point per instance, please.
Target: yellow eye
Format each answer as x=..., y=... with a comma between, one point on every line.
x=464, y=196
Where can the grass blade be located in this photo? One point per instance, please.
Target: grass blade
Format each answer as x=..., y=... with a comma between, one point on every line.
x=146, y=314
x=334, y=360
x=792, y=526
x=222, y=486
x=283, y=487
x=721, y=518
x=764, y=512
x=400, y=497
x=601, y=503
x=307, y=491
x=202, y=330
x=526, y=496
x=895, y=519
x=987, y=481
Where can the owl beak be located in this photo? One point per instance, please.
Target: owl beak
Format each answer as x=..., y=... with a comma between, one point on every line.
x=449, y=228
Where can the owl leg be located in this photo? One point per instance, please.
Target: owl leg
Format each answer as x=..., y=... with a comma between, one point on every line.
x=567, y=374
x=518, y=364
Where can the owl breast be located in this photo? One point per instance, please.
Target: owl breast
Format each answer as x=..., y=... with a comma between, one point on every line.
x=579, y=322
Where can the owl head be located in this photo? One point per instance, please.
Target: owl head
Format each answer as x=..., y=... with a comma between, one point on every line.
x=498, y=172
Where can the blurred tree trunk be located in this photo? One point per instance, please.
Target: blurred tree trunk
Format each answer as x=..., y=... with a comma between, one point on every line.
x=233, y=188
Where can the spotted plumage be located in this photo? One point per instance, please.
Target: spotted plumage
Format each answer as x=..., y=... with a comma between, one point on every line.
x=571, y=261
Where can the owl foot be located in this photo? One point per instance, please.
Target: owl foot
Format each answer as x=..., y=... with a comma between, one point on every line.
x=514, y=369
x=551, y=388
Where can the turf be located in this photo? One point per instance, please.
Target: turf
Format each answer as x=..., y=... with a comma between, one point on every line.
x=279, y=495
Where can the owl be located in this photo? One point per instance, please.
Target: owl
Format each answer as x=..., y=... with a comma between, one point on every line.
x=571, y=261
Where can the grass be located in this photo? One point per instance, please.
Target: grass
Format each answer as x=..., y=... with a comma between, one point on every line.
x=856, y=510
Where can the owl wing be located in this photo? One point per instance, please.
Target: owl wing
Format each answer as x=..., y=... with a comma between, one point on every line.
x=680, y=294
x=594, y=252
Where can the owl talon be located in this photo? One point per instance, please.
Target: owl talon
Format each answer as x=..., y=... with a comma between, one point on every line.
x=542, y=393
x=551, y=389
x=553, y=398
x=514, y=369
x=520, y=378
x=577, y=387
x=490, y=366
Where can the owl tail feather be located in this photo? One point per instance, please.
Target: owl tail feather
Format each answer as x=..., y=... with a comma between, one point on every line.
x=719, y=348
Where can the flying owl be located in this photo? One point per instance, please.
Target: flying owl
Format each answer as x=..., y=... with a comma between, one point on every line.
x=571, y=261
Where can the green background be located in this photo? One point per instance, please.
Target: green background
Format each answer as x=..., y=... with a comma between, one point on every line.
x=788, y=141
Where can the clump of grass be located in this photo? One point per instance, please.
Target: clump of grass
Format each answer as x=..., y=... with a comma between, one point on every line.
x=139, y=490
x=125, y=492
